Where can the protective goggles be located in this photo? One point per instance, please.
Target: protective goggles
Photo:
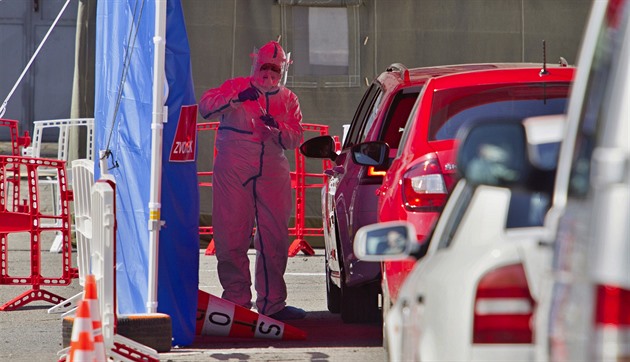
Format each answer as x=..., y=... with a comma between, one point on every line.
x=270, y=66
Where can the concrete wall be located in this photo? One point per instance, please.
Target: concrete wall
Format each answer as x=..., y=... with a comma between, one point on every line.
x=222, y=34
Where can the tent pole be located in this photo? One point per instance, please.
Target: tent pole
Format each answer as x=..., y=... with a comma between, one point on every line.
x=158, y=118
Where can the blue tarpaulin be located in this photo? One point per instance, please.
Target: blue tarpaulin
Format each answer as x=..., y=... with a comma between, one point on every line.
x=123, y=116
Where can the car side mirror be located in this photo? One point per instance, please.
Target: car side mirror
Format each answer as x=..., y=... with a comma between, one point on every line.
x=319, y=147
x=392, y=240
x=374, y=153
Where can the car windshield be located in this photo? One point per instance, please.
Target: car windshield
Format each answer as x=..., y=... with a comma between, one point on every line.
x=453, y=108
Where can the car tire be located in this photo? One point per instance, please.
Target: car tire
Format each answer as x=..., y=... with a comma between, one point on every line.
x=360, y=304
x=152, y=330
x=333, y=294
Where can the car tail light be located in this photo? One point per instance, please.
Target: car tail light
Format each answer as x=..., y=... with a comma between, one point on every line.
x=612, y=323
x=503, y=307
x=424, y=188
x=612, y=306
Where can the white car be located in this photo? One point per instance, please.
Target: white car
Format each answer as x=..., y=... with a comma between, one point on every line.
x=590, y=218
x=581, y=312
x=474, y=295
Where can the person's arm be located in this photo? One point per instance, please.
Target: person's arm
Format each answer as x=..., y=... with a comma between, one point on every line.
x=217, y=101
x=291, y=133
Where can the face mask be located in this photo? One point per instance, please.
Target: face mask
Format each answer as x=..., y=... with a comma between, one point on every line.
x=266, y=78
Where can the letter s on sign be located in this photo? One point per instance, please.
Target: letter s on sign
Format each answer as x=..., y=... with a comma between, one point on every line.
x=269, y=329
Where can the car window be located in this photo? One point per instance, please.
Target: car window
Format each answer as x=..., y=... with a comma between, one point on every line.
x=408, y=126
x=455, y=107
x=367, y=126
x=397, y=116
x=358, y=122
x=527, y=209
x=528, y=205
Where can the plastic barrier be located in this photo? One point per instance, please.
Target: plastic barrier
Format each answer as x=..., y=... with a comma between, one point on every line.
x=83, y=180
x=63, y=129
x=103, y=210
x=103, y=259
x=298, y=183
x=17, y=143
x=21, y=212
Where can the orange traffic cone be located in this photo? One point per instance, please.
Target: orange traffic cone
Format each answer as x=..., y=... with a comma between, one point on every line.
x=219, y=317
x=91, y=295
x=211, y=250
x=82, y=342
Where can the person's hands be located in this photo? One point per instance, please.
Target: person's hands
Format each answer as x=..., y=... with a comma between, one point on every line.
x=269, y=121
x=249, y=94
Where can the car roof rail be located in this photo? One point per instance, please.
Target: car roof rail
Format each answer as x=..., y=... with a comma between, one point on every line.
x=401, y=69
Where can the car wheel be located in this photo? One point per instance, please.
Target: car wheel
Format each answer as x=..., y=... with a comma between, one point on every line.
x=360, y=304
x=333, y=293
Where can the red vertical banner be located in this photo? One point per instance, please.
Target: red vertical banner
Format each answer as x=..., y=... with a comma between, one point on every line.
x=184, y=147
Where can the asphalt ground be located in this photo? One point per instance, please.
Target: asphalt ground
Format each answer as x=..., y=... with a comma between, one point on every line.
x=30, y=333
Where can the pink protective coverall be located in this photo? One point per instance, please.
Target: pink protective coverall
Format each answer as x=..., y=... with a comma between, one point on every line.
x=252, y=187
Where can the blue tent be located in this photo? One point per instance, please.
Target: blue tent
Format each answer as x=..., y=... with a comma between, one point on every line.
x=123, y=119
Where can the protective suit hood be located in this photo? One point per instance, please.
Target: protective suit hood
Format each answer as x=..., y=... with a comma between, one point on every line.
x=269, y=66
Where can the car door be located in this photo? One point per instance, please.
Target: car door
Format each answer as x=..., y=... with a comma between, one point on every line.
x=343, y=178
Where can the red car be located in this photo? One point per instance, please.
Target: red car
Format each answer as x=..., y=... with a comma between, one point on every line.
x=420, y=177
x=349, y=200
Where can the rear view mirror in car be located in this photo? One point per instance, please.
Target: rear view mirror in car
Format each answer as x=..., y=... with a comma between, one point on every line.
x=493, y=152
x=370, y=153
x=319, y=147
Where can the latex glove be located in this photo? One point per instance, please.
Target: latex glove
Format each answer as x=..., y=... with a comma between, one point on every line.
x=269, y=121
x=249, y=94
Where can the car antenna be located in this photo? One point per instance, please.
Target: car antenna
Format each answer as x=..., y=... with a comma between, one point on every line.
x=544, y=71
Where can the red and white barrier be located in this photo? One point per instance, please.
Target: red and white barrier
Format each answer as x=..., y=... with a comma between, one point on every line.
x=62, y=129
x=103, y=267
x=18, y=143
x=299, y=183
x=82, y=182
x=103, y=255
x=21, y=212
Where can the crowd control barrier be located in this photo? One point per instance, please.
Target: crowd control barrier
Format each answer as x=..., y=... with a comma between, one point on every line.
x=61, y=129
x=17, y=142
x=82, y=183
x=103, y=260
x=299, y=183
x=21, y=211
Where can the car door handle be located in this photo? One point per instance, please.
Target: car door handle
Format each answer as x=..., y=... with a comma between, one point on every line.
x=339, y=170
x=335, y=171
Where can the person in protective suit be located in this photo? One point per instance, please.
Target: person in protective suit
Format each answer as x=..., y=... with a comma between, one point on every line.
x=251, y=184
